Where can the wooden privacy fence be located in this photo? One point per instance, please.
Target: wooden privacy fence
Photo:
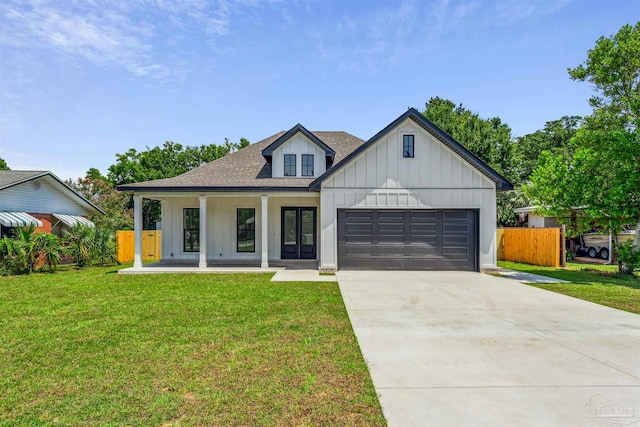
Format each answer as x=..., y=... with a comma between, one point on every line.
x=537, y=246
x=151, y=245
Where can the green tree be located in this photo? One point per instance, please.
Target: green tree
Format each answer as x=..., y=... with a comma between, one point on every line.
x=489, y=139
x=94, y=173
x=613, y=68
x=3, y=165
x=170, y=160
x=602, y=176
x=555, y=137
x=115, y=204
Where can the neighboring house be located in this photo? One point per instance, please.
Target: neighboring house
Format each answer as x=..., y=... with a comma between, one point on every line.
x=410, y=197
x=537, y=221
x=42, y=199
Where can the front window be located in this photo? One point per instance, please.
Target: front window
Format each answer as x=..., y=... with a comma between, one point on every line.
x=307, y=165
x=246, y=241
x=407, y=146
x=191, y=230
x=289, y=165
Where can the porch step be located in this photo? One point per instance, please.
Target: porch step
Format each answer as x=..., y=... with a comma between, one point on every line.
x=295, y=264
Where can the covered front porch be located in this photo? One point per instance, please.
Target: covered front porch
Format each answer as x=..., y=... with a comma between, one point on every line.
x=224, y=231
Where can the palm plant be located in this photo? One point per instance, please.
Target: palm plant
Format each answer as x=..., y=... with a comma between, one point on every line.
x=104, y=245
x=80, y=244
x=12, y=259
x=48, y=246
x=26, y=245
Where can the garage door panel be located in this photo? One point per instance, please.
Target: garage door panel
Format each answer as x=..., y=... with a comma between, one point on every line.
x=461, y=215
x=423, y=216
x=463, y=251
x=425, y=240
x=423, y=228
x=456, y=228
x=422, y=264
x=407, y=239
x=390, y=215
x=457, y=240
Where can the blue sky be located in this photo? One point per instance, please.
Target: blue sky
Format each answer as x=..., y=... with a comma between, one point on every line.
x=82, y=80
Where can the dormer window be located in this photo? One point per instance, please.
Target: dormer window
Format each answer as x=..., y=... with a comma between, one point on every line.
x=307, y=165
x=289, y=165
x=407, y=146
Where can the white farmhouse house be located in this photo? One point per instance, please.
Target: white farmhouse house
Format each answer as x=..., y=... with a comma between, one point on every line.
x=411, y=197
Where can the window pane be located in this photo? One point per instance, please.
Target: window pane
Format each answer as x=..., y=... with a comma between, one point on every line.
x=246, y=234
x=307, y=165
x=290, y=227
x=191, y=230
x=289, y=165
x=306, y=225
x=407, y=146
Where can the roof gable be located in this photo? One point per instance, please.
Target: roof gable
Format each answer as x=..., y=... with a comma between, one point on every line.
x=501, y=183
x=268, y=151
x=10, y=179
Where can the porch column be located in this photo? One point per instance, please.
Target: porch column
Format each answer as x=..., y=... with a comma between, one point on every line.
x=137, y=231
x=265, y=235
x=203, y=232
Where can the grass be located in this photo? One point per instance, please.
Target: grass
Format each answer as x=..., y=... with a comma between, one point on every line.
x=95, y=348
x=596, y=283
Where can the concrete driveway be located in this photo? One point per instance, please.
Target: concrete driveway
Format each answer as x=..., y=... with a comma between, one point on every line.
x=454, y=349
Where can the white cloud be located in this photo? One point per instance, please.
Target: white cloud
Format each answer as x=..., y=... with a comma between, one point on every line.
x=130, y=34
x=511, y=11
x=391, y=34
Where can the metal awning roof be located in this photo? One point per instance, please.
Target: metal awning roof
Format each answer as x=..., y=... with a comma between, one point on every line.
x=18, y=219
x=72, y=220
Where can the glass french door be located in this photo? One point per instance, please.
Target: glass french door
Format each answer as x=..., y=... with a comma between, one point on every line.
x=298, y=233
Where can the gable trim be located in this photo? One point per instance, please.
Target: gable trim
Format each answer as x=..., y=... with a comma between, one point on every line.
x=268, y=151
x=501, y=183
x=58, y=181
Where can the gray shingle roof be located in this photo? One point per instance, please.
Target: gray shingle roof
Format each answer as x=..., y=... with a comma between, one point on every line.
x=11, y=178
x=246, y=169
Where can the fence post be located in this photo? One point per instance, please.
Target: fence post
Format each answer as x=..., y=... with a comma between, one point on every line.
x=563, y=246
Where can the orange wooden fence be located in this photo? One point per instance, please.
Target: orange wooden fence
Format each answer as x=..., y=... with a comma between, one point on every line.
x=538, y=246
x=151, y=245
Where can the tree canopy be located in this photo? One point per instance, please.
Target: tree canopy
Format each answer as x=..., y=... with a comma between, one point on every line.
x=489, y=139
x=167, y=161
x=3, y=165
x=602, y=175
x=115, y=204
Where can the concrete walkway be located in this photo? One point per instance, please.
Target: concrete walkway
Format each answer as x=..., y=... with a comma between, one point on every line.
x=302, y=276
x=523, y=277
x=468, y=349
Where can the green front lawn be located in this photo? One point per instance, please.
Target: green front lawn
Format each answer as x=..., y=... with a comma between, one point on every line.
x=596, y=283
x=95, y=348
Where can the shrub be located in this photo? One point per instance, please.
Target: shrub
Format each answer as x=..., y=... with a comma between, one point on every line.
x=49, y=249
x=104, y=246
x=89, y=245
x=628, y=257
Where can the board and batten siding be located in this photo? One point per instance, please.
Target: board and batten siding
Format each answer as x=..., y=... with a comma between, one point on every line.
x=298, y=145
x=436, y=178
x=50, y=197
x=222, y=228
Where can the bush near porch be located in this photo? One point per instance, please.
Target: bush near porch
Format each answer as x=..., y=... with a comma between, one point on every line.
x=91, y=347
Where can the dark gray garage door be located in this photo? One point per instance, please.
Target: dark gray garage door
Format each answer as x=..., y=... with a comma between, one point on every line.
x=376, y=239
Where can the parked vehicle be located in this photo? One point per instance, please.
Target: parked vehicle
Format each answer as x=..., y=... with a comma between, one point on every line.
x=596, y=245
